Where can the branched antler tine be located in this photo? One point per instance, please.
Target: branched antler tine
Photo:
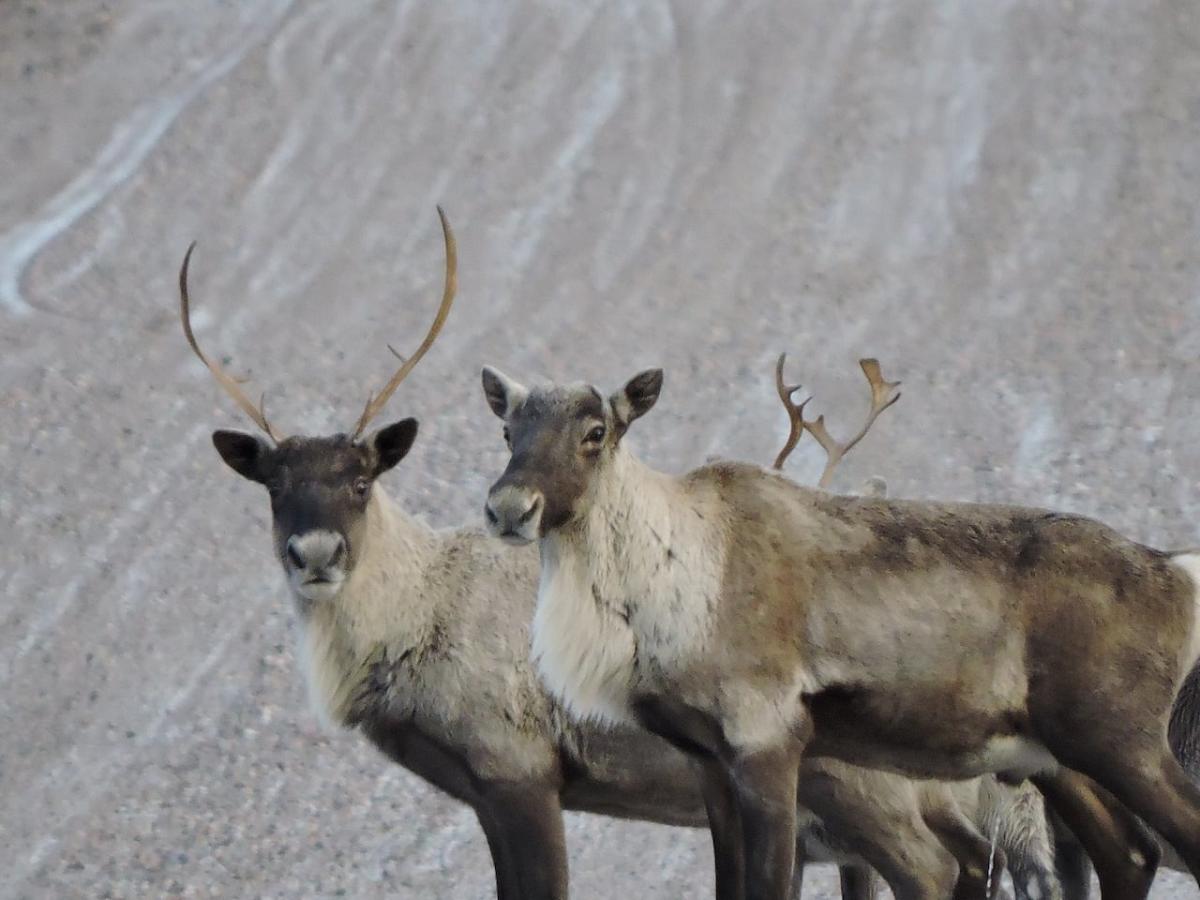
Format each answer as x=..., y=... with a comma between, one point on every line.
x=880, y=390
x=451, y=286
x=883, y=395
x=227, y=381
x=833, y=450
x=795, y=412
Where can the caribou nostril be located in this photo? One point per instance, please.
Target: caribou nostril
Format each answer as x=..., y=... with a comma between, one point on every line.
x=294, y=555
x=490, y=514
x=338, y=551
x=533, y=508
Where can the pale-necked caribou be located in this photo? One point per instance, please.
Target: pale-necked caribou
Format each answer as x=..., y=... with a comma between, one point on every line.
x=1030, y=869
x=754, y=622
x=420, y=638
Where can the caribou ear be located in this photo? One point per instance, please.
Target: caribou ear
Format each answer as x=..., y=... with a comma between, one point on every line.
x=637, y=397
x=502, y=393
x=392, y=443
x=244, y=453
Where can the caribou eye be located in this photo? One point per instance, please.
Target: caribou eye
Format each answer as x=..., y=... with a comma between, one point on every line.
x=361, y=486
x=595, y=436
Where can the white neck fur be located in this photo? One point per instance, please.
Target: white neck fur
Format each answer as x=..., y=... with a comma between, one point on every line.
x=627, y=591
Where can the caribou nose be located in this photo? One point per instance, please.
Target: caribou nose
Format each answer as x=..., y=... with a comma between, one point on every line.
x=315, y=550
x=514, y=513
x=293, y=553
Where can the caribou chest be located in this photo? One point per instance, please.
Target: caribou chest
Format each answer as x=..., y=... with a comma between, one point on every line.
x=613, y=616
x=582, y=643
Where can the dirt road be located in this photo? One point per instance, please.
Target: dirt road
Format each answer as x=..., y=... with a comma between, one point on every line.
x=998, y=199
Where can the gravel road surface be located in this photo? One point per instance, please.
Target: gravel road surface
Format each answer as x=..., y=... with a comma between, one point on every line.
x=1000, y=200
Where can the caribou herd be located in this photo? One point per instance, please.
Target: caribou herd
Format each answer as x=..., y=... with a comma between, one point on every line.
x=926, y=693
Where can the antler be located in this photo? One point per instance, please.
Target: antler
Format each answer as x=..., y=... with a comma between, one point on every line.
x=795, y=412
x=227, y=381
x=377, y=402
x=883, y=395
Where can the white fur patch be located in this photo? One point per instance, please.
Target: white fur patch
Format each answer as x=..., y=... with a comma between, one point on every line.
x=760, y=716
x=583, y=650
x=1018, y=757
x=318, y=660
x=1190, y=563
x=638, y=583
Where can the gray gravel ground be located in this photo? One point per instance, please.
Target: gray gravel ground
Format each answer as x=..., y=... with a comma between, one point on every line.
x=999, y=199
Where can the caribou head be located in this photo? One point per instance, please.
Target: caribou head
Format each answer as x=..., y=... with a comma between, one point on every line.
x=561, y=439
x=320, y=486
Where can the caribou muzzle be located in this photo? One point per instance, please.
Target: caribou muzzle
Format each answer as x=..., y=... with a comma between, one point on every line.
x=315, y=563
x=514, y=512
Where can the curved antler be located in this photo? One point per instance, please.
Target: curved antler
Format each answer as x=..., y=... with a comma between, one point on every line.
x=377, y=402
x=795, y=412
x=227, y=381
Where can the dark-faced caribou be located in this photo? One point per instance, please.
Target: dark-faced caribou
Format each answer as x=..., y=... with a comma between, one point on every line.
x=754, y=622
x=420, y=639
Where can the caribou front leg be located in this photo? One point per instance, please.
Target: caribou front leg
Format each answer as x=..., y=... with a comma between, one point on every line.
x=766, y=781
x=725, y=826
x=508, y=885
x=699, y=735
x=762, y=783
x=529, y=827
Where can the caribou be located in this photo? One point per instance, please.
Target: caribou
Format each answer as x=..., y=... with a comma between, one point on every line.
x=419, y=639
x=756, y=623
x=1070, y=861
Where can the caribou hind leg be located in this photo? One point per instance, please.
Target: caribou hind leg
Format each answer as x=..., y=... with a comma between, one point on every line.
x=1124, y=853
x=1074, y=871
x=1156, y=787
x=981, y=865
x=858, y=882
x=886, y=828
x=1071, y=864
x=798, y=872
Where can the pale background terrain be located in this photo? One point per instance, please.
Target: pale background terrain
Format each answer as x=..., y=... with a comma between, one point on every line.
x=999, y=199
